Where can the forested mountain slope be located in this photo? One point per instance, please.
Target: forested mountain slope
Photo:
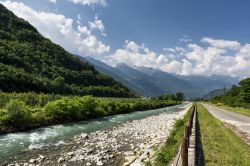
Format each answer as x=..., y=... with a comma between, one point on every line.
x=130, y=77
x=30, y=62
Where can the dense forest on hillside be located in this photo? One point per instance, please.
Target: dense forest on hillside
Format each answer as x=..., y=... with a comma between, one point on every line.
x=237, y=96
x=30, y=62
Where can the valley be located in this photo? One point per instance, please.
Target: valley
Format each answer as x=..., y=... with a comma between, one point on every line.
x=72, y=94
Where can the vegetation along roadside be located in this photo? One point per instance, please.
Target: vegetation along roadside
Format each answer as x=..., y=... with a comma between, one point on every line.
x=221, y=146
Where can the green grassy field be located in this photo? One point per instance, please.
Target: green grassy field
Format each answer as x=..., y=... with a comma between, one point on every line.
x=221, y=146
x=167, y=152
x=240, y=110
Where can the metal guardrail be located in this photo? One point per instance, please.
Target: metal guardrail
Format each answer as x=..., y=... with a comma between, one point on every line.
x=186, y=150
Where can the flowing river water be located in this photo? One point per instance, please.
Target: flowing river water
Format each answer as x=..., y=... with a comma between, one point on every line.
x=16, y=144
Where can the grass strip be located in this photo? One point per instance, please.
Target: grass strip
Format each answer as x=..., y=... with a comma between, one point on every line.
x=221, y=146
x=243, y=111
x=166, y=153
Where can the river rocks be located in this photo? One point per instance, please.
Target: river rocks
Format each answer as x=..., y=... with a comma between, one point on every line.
x=41, y=157
x=130, y=143
x=99, y=163
x=32, y=161
x=88, y=164
x=130, y=159
x=128, y=153
x=61, y=159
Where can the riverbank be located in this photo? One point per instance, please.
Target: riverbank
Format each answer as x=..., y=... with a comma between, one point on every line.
x=129, y=143
x=18, y=116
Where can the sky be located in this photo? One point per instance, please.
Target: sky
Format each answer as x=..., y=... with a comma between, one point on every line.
x=194, y=37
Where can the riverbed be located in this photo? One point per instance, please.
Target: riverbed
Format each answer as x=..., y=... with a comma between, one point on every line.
x=116, y=140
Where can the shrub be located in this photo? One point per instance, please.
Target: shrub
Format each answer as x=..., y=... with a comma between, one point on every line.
x=71, y=108
x=66, y=109
x=17, y=114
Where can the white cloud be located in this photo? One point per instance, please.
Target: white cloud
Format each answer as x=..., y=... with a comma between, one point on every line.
x=52, y=1
x=134, y=55
x=97, y=24
x=192, y=59
x=90, y=2
x=221, y=43
x=60, y=30
x=169, y=50
x=185, y=39
x=132, y=46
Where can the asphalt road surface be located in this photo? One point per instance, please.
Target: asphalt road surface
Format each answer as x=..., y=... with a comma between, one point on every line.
x=235, y=119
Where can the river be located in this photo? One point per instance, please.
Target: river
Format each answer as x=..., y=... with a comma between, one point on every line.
x=15, y=144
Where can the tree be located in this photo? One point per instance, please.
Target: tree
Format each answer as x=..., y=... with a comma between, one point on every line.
x=167, y=97
x=245, y=90
x=179, y=96
x=234, y=91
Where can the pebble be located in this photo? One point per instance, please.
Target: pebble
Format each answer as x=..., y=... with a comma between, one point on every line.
x=41, y=156
x=32, y=161
x=60, y=160
x=99, y=163
x=88, y=164
x=130, y=159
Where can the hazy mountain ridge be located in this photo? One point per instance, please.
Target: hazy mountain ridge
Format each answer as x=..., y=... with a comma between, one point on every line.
x=126, y=75
x=154, y=82
x=214, y=93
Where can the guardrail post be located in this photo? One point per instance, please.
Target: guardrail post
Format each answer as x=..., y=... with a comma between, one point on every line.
x=187, y=133
x=190, y=123
x=184, y=152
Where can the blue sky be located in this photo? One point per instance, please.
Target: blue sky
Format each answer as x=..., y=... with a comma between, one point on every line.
x=161, y=23
x=194, y=37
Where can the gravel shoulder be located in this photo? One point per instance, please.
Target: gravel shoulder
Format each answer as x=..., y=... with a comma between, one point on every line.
x=131, y=143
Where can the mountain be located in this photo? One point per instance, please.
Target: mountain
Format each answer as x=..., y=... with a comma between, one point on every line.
x=168, y=82
x=130, y=77
x=153, y=82
x=144, y=84
x=30, y=62
x=208, y=83
x=214, y=93
x=191, y=86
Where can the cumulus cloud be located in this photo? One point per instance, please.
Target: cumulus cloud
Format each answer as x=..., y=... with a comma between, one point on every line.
x=192, y=59
x=222, y=43
x=97, y=24
x=60, y=30
x=133, y=55
x=90, y=2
